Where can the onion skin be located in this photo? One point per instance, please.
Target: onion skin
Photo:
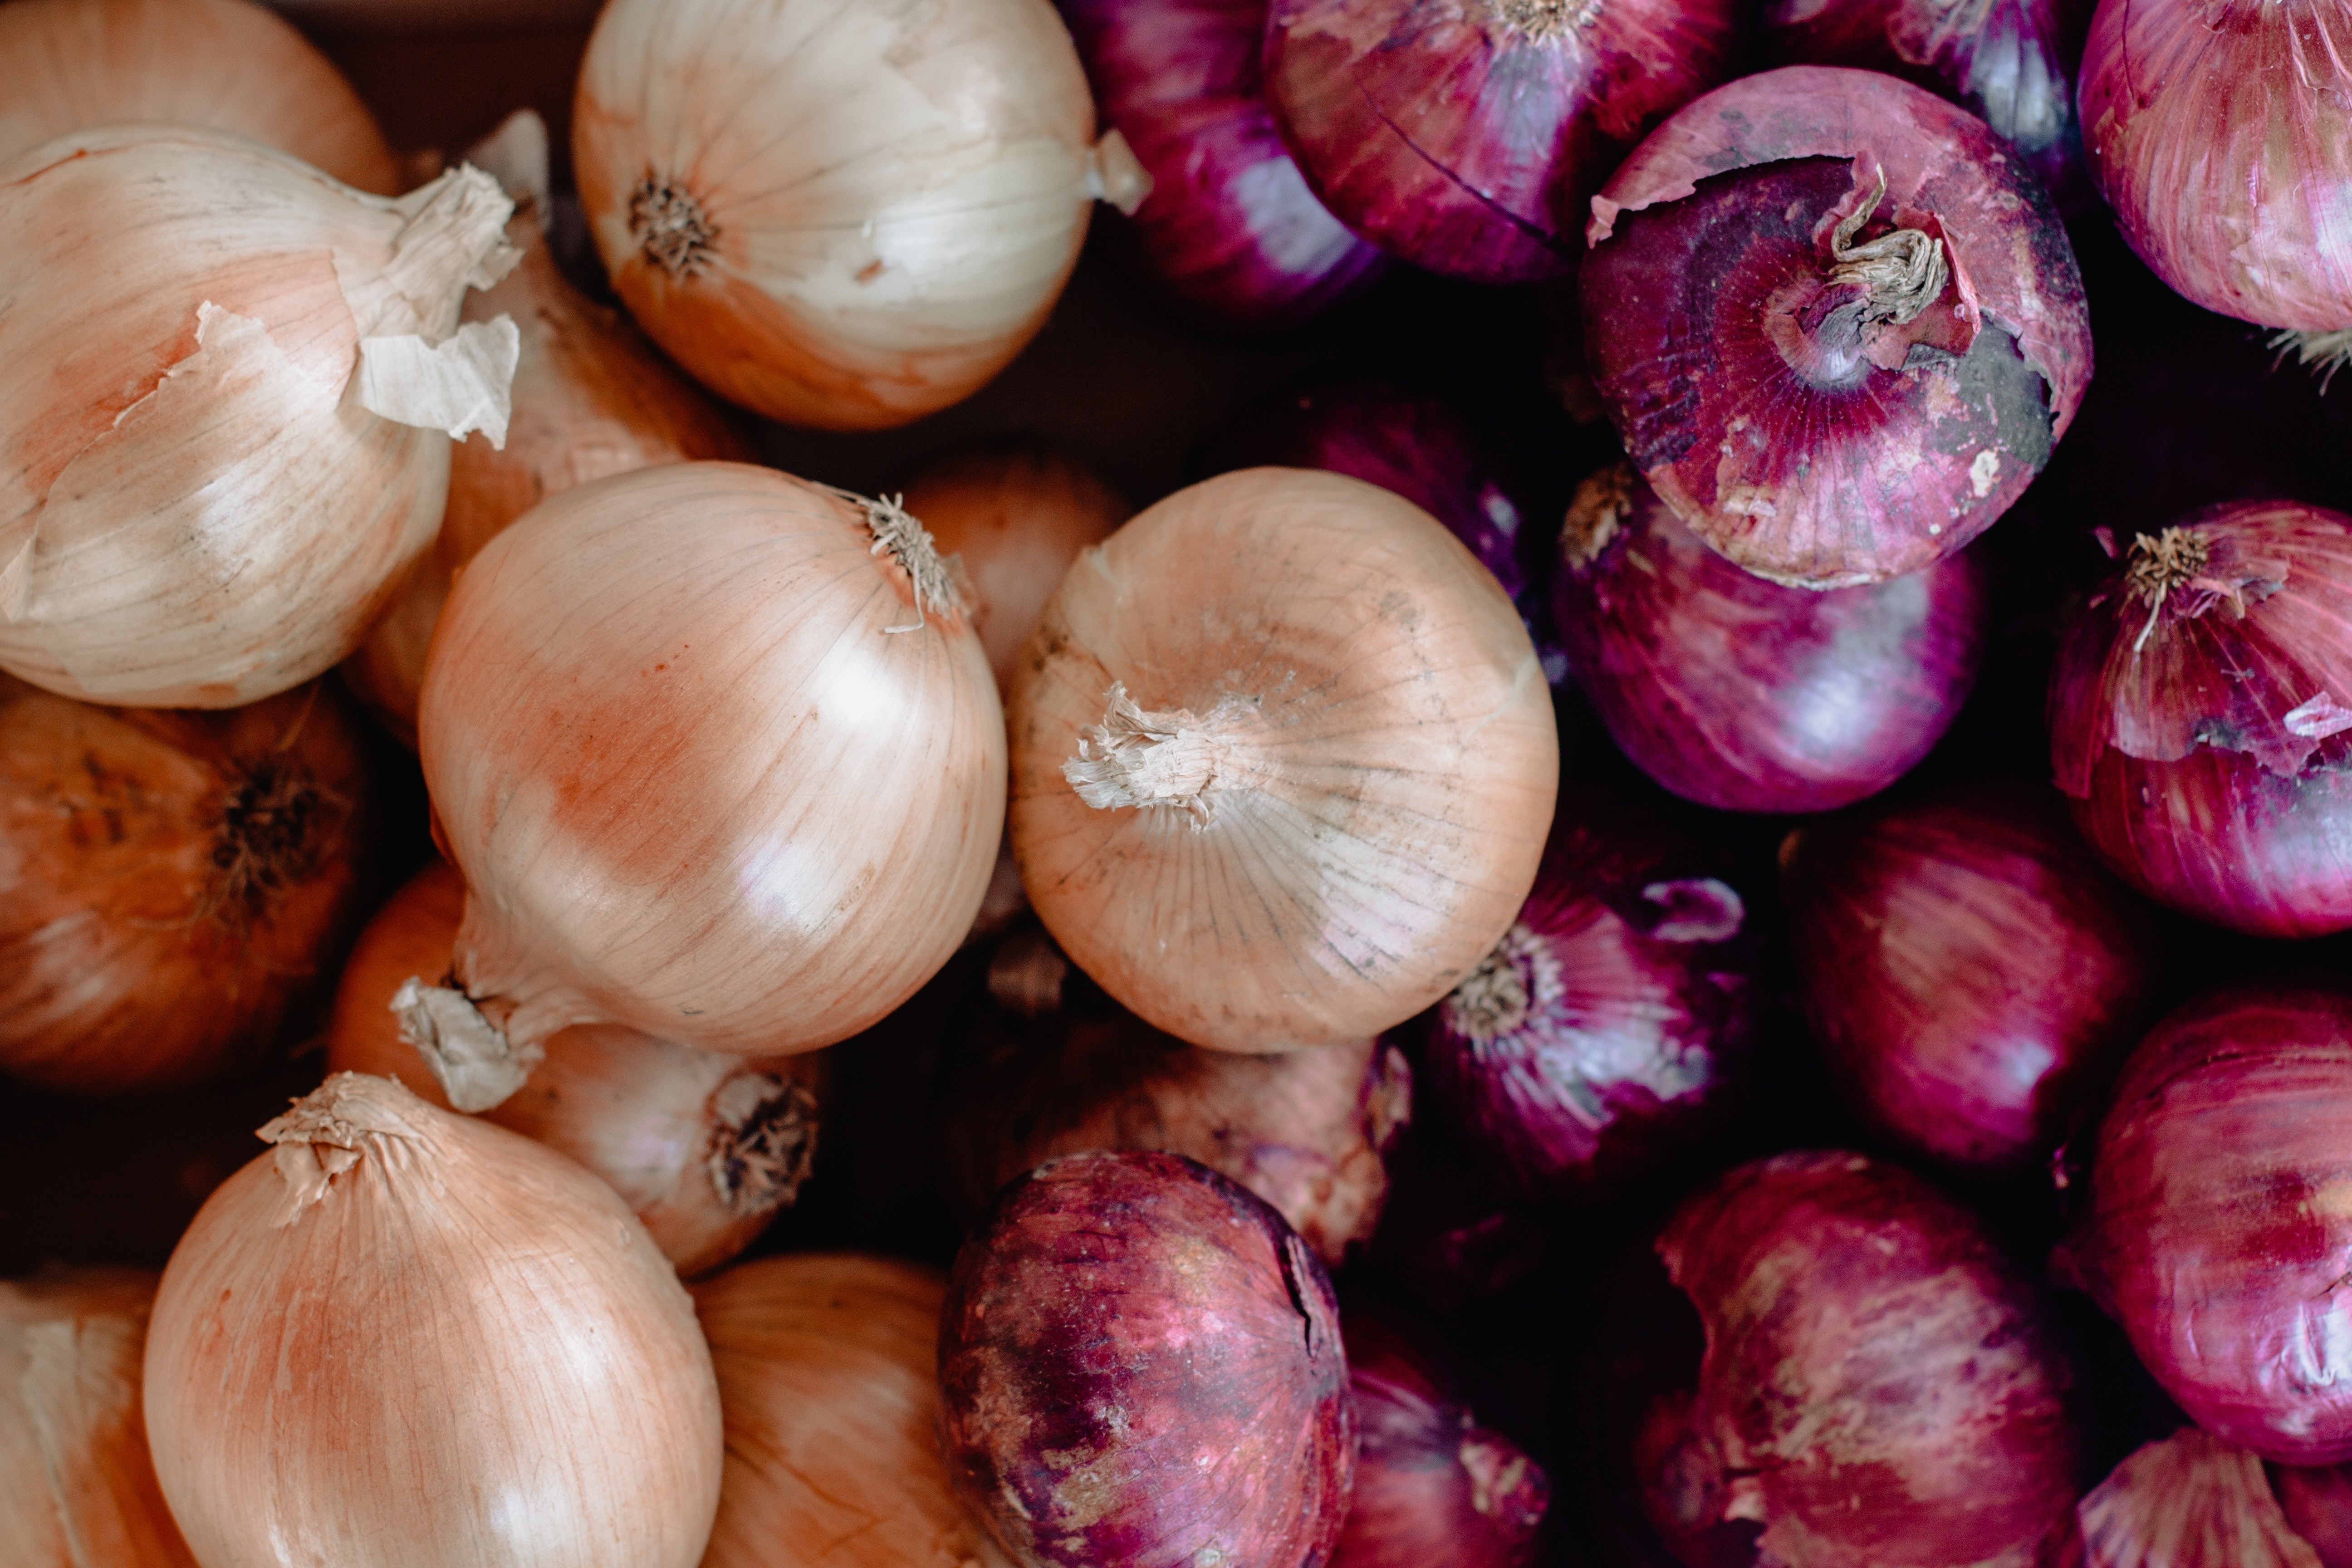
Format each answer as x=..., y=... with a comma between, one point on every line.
x=1388, y=762
x=2191, y=1502
x=1465, y=142
x=1972, y=974
x=1231, y=230
x=1744, y=695
x=1140, y=1362
x=176, y=890
x=2318, y=1506
x=1879, y=1385
x=1742, y=380
x=659, y=647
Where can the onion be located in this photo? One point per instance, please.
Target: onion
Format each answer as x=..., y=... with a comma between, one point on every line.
x=175, y=888
x=1973, y=977
x=1140, y=1363
x=1796, y=353
x=227, y=65
x=720, y=759
x=706, y=1148
x=410, y=1338
x=1609, y=1033
x=854, y=213
x=2193, y=716
x=239, y=436
x=2191, y=1502
x=2213, y=1232
x=1432, y=1487
x=2319, y=1506
x=76, y=1486
x=1282, y=759
x=1017, y=514
x=1463, y=136
x=1229, y=229
x=827, y=1374
x=1880, y=1384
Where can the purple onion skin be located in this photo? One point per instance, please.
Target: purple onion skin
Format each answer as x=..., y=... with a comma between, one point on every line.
x=2201, y=731
x=1140, y=1363
x=1230, y=229
x=1974, y=977
x=1466, y=135
x=2318, y=1506
x=1744, y=695
x=2191, y=1502
x=1880, y=1386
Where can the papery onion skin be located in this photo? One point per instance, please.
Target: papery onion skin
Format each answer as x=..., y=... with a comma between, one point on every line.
x=1611, y=1032
x=827, y=1372
x=1744, y=695
x=697, y=694
x=2212, y=1233
x=1973, y=976
x=1465, y=137
x=854, y=215
x=1880, y=1384
x=77, y=1489
x=1140, y=1361
x=2191, y=1501
x=176, y=890
x=226, y=64
x=1230, y=229
x=1388, y=760
x=409, y=1338
x=706, y=1150
x=1745, y=383
x=2195, y=714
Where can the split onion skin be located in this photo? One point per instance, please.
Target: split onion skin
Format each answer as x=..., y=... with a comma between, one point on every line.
x=1807, y=446
x=2191, y=1500
x=176, y=890
x=1380, y=814
x=858, y=212
x=1140, y=1363
x=697, y=783
x=512, y=1374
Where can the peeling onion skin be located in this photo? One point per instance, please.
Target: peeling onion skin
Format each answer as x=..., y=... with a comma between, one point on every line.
x=677, y=693
x=1879, y=1385
x=1116, y=1319
x=1231, y=230
x=1744, y=695
x=2191, y=1502
x=1465, y=142
x=1973, y=976
x=176, y=888
x=1388, y=761
x=1744, y=383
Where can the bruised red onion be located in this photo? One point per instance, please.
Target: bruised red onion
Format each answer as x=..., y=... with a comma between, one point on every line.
x=1465, y=135
x=1880, y=1386
x=1835, y=322
x=1229, y=228
x=1744, y=695
x=1140, y=1363
x=2192, y=1501
x=2197, y=713
x=1972, y=974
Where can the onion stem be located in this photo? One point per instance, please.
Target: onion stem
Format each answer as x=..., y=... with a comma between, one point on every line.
x=1541, y=21
x=1904, y=272
x=669, y=224
x=473, y=1061
x=2159, y=563
x=1135, y=758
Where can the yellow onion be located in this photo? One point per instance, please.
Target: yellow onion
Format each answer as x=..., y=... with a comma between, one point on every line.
x=226, y=428
x=844, y=214
x=827, y=1373
x=229, y=65
x=706, y=1148
x=77, y=1489
x=406, y=1338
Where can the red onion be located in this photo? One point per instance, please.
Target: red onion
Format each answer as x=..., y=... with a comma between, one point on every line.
x=1140, y=1363
x=1972, y=974
x=2195, y=712
x=1879, y=1385
x=2219, y=1231
x=2193, y=1501
x=1465, y=135
x=2318, y=1506
x=1742, y=694
x=1434, y=1488
x=1606, y=1035
x=1785, y=310
x=1229, y=228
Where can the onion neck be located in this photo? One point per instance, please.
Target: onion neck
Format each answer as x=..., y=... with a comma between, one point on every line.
x=1141, y=759
x=2160, y=563
x=673, y=232
x=762, y=1142
x=1596, y=514
x=1520, y=977
x=1545, y=21
x=934, y=580
x=476, y=1064
x=1831, y=329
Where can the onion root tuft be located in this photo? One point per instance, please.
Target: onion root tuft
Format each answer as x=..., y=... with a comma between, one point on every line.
x=1136, y=758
